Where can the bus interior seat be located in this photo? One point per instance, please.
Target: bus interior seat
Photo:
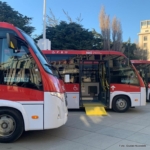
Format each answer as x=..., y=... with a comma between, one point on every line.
x=70, y=67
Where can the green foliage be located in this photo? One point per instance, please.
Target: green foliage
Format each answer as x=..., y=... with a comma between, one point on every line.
x=8, y=14
x=72, y=36
x=133, y=52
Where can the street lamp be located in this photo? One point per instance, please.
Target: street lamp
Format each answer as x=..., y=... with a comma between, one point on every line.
x=44, y=44
x=44, y=19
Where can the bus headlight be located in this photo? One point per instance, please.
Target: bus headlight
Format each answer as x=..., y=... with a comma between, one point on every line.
x=59, y=95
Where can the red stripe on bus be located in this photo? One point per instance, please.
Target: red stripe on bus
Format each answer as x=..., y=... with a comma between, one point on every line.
x=125, y=88
x=83, y=52
x=15, y=93
x=72, y=87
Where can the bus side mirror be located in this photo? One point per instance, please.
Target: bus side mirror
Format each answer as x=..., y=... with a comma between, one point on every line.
x=67, y=78
x=13, y=42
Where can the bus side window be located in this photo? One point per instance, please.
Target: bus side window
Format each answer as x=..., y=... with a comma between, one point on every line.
x=66, y=64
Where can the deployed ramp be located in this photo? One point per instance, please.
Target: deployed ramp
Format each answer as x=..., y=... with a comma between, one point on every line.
x=94, y=109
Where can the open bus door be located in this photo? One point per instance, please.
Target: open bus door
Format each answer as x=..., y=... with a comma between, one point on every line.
x=94, y=82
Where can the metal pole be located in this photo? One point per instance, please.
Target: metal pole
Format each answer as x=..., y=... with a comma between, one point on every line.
x=44, y=19
x=128, y=53
x=128, y=50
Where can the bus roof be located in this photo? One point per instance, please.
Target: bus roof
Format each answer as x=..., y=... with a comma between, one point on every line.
x=11, y=27
x=6, y=25
x=84, y=52
x=140, y=62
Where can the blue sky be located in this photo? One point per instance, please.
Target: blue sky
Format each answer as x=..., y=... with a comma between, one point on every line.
x=129, y=12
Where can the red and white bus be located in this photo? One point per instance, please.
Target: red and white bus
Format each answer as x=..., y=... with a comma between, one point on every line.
x=104, y=77
x=143, y=66
x=32, y=95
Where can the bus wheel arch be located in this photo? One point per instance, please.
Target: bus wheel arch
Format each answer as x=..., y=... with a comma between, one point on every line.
x=121, y=103
x=11, y=124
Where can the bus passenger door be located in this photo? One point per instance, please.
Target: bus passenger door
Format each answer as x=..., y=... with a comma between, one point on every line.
x=94, y=82
x=104, y=76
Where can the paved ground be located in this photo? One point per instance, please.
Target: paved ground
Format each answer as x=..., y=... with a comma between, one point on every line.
x=116, y=131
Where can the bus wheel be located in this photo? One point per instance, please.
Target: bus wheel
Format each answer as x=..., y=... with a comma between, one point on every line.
x=121, y=104
x=11, y=125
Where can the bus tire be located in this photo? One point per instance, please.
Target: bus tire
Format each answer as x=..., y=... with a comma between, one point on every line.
x=11, y=125
x=121, y=103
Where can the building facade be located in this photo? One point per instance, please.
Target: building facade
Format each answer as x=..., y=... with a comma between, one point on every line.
x=144, y=36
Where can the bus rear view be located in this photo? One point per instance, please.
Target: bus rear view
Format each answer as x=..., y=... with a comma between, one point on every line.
x=32, y=95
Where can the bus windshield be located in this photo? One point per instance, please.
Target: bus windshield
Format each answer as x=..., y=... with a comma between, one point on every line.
x=144, y=71
x=48, y=68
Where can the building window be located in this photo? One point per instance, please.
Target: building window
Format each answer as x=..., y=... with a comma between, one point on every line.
x=148, y=23
x=146, y=30
x=143, y=23
x=145, y=38
x=145, y=45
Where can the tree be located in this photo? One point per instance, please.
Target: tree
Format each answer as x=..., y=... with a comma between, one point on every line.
x=8, y=14
x=98, y=40
x=96, y=34
x=72, y=36
x=116, y=35
x=105, y=28
x=52, y=21
x=134, y=52
x=67, y=15
x=141, y=53
x=129, y=50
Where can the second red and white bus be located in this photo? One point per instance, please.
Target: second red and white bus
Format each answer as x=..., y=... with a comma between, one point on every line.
x=106, y=77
